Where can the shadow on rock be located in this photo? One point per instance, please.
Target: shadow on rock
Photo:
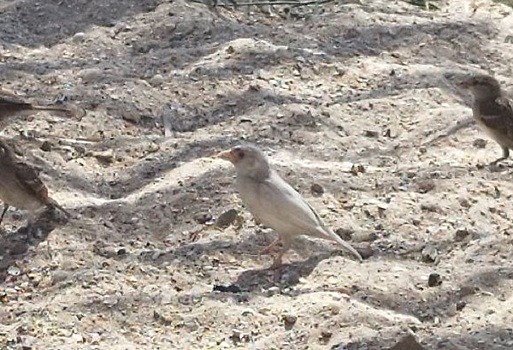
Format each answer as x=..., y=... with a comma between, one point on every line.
x=286, y=275
x=15, y=245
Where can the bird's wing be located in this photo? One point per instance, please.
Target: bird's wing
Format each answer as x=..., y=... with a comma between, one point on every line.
x=498, y=115
x=283, y=206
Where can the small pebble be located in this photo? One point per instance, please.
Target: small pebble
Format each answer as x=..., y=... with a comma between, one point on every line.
x=91, y=75
x=371, y=133
x=434, y=280
x=78, y=37
x=317, y=189
x=46, y=146
x=232, y=288
x=157, y=80
x=429, y=254
x=479, y=143
x=202, y=218
x=461, y=234
x=289, y=321
x=60, y=276
x=227, y=218
x=460, y=305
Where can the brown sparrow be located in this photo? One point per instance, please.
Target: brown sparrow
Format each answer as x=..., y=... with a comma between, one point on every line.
x=492, y=110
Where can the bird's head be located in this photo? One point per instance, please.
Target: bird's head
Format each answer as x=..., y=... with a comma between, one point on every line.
x=482, y=86
x=248, y=161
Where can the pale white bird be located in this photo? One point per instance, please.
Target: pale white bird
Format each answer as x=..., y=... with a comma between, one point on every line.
x=274, y=203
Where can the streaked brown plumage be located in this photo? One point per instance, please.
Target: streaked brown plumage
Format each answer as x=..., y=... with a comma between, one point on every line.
x=12, y=105
x=492, y=110
x=20, y=185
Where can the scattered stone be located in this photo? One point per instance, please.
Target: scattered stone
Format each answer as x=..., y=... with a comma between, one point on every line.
x=157, y=80
x=59, y=276
x=227, y=218
x=371, y=133
x=357, y=169
x=431, y=207
x=232, y=288
x=325, y=336
x=28, y=342
x=78, y=37
x=317, y=189
x=424, y=186
x=13, y=270
x=479, y=143
x=239, y=337
x=46, y=146
x=159, y=317
x=105, y=157
x=230, y=50
x=289, y=321
x=461, y=234
x=429, y=254
x=460, y=305
x=364, y=236
x=467, y=290
x=202, y=218
x=407, y=343
x=464, y=202
x=91, y=75
x=121, y=251
x=391, y=132
x=434, y=280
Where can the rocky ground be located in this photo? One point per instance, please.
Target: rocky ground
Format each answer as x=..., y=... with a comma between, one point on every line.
x=349, y=98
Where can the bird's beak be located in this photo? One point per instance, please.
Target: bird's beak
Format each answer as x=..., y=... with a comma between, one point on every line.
x=226, y=155
x=465, y=84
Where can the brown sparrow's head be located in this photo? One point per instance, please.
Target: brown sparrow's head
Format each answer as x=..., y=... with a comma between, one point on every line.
x=248, y=160
x=481, y=86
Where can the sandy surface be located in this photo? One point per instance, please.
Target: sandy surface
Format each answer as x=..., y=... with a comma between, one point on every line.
x=347, y=98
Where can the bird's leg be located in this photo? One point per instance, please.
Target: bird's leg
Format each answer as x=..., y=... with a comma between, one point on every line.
x=270, y=247
x=505, y=155
x=278, y=259
x=6, y=206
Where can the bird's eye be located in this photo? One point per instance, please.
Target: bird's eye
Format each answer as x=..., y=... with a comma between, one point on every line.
x=239, y=153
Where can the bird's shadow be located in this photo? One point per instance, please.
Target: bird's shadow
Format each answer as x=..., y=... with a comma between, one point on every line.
x=14, y=245
x=287, y=275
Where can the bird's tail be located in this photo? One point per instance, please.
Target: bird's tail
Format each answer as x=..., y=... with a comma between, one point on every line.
x=345, y=244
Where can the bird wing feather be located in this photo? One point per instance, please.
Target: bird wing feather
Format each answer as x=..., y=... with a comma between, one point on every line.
x=277, y=205
x=282, y=208
x=29, y=179
x=498, y=116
